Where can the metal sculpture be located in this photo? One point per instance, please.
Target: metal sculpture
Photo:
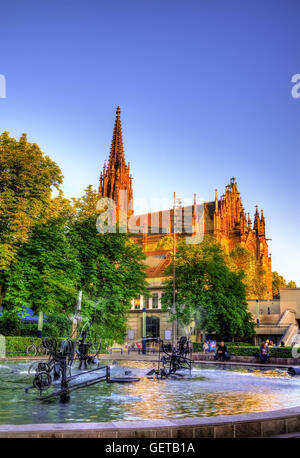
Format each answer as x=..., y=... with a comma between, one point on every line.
x=173, y=359
x=58, y=367
x=89, y=341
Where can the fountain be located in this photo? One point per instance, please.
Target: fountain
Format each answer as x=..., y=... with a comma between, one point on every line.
x=59, y=366
x=99, y=391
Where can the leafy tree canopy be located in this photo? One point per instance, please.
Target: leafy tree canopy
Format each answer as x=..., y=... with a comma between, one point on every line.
x=278, y=282
x=111, y=268
x=50, y=247
x=45, y=274
x=26, y=179
x=241, y=259
x=208, y=290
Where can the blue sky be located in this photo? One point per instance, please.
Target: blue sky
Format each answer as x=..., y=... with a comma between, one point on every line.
x=204, y=88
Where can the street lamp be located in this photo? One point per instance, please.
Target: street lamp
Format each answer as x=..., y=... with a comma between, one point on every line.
x=174, y=322
x=144, y=349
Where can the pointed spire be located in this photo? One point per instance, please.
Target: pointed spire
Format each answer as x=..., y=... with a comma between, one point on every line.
x=256, y=219
x=116, y=157
x=249, y=221
x=262, y=223
x=194, y=213
x=116, y=180
x=216, y=201
x=195, y=202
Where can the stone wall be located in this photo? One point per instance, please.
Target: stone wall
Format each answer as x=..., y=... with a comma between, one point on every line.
x=135, y=322
x=260, y=424
x=290, y=299
x=249, y=359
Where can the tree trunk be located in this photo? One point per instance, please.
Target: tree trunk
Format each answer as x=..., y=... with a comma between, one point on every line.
x=198, y=335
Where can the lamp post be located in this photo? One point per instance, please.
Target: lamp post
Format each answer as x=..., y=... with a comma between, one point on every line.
x=76, y=317
x=174, y=322
x=144, y=332
x=40, y=324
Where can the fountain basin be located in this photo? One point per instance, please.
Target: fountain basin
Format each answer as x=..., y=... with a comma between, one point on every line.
x=209, y=403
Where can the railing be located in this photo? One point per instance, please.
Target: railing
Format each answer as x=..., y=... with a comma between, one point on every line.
x=284, y=315
x=287, y=337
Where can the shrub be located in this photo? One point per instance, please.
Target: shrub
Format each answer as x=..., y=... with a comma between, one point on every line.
x=243, y=350
x=56, y=325
x=28, y=329
x=17, y=345
x=59, y=324
x=247, y=350
x=276, y=352
x=197, y=346
x=281, y=352
x=10, y=324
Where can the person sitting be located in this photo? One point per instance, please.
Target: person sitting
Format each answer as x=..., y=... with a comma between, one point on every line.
x=264, y=353
x=282, y=344
x=222, y=352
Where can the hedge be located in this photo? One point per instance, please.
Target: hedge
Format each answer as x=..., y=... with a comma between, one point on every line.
x=275, y=352
x=18, y=345
x=236, y=350
x=198, y=346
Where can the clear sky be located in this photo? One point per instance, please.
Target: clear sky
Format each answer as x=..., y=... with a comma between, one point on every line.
x=204, y=88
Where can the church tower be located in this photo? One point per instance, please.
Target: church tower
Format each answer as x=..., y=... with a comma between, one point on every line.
x=116, y=179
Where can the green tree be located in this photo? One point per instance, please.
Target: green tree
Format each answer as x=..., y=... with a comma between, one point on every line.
x=241, y=259
x=45, y=274
x=277, y=282
x=207, y=290
x=111, y=269
x=291, y=284
x=26, y=179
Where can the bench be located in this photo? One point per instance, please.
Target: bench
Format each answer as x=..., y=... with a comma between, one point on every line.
x=116, y=348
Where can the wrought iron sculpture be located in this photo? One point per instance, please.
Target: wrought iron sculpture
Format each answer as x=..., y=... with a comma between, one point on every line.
x=58, y=367
x=88, y=342
x=173, y=359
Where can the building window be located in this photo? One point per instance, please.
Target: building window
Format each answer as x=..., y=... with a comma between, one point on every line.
x=152, y=326
x=155, y=300
x=146, y=302
x=137, y=303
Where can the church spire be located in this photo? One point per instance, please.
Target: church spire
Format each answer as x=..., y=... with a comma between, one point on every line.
x=216, y=201
x=116, y=180
x=116, y=157
x=256, y=220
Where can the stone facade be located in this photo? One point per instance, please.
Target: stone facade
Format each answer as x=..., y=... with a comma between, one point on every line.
x=224, y=218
